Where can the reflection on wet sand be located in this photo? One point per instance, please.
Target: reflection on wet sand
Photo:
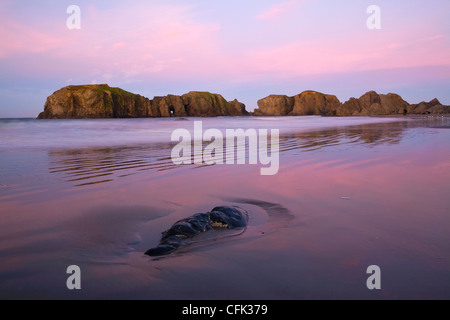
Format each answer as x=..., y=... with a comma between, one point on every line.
x=98, y=165
x=345, y=198
x=371, y=134
x=89, y=166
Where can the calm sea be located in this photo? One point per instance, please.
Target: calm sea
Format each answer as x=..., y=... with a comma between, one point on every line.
x=350, y=192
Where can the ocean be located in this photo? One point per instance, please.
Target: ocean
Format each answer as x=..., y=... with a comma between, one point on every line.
x=349, y=193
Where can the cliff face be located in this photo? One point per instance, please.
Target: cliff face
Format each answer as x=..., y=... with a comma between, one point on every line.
x=275, y=105
x=102, y=101
x=369, y=104
x=94, y=101
x=432, y=107
x=205, y=104
x=372, y=103
x=315, y=103
x=305, y=103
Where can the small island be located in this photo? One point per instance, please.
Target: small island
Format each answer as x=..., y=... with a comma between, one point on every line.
x=103, y=101
x=369, y=104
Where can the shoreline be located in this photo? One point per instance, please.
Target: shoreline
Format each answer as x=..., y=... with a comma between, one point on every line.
x=249, y=116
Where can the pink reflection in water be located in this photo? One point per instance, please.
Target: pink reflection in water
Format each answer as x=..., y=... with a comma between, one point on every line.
x=303, y=239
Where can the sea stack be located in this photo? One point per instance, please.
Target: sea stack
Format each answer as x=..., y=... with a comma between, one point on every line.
x=306, y=103
x=103, y=101
x=369, y=104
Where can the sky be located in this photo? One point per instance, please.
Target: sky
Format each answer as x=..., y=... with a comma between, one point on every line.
x=246, y=49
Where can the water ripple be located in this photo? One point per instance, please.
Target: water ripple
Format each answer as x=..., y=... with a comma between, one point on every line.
x=87, y=166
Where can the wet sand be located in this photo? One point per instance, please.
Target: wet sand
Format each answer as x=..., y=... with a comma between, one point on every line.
x=345, y=198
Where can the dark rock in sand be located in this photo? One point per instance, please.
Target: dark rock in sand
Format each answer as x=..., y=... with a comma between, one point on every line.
x=217, y=218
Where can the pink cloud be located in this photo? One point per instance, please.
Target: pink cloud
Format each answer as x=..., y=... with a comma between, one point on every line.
x=147, y=41
x=124, y=41
x=142, y=41
x=19, y=38
x=278, y=9
x=271, y=12
x=355, y=52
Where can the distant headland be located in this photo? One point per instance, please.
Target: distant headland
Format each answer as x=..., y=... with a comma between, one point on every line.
x=103, y=101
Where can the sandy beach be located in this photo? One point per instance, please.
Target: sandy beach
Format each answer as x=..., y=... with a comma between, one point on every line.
x=345, y=197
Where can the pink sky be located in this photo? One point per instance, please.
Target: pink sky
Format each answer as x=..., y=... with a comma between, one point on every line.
x=241, y=51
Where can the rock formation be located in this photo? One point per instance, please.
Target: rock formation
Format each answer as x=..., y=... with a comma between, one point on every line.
x=305, y=103
x=205, y=104
x=94, y=101
x=187, y=229
x=432, y=107
x=103, y=101
x=369, y=104
x=315, y=103
x=372, y=103
x=274, y=105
